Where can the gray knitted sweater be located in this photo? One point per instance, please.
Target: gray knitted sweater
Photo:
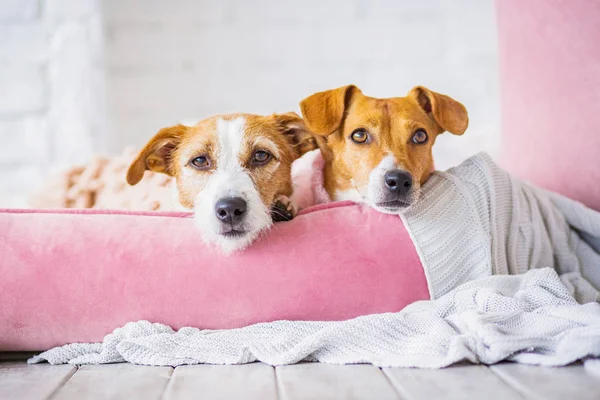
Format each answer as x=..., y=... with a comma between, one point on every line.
x=476, y=220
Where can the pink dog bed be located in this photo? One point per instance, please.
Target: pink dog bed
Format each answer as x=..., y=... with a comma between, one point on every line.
x=72, y=276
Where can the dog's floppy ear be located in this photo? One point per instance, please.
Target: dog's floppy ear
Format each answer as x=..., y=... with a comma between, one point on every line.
x=156, y=155
x=323, y=112
x=301, y=139
x=449, y=114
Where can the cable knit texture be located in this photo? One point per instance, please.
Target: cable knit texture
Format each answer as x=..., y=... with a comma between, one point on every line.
x=476, y=220
x=473, y=221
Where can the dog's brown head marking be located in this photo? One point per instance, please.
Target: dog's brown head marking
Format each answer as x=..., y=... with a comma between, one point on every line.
x=379, y=150
x=229, y=169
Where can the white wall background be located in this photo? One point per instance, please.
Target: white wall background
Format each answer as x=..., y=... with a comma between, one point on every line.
x=52, y=109
x=181, y=60
x=186, y=59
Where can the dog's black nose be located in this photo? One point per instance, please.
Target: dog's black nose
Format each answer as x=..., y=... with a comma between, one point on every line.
x=231, y=209
x=398, y=181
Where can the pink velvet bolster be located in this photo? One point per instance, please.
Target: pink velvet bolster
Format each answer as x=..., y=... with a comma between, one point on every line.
x=74, y=276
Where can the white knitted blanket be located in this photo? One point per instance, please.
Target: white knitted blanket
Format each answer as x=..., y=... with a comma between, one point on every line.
x=473, y=222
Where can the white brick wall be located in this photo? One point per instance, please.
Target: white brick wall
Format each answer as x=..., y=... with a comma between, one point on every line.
x=52, y=109
x=185, y=59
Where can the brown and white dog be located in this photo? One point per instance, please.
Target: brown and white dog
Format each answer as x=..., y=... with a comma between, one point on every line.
x=231, y=170
x=378, y=151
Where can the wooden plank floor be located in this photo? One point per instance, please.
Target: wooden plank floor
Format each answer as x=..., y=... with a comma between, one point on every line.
x=302, y=381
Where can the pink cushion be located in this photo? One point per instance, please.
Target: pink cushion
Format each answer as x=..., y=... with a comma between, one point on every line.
x=74, y=276
x=550, y=94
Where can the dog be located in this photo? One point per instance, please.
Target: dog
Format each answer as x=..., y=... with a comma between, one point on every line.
x=233, y=170
x=379, y=151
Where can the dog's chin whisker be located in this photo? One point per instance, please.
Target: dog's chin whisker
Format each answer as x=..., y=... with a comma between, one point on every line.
x=262, y=233
x=277, y=213
x=281, y=215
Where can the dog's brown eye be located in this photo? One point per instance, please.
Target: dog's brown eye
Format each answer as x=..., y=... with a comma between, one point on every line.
x=359, y=136
x=200, y=162
x=420, y=136
x=261, y=157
